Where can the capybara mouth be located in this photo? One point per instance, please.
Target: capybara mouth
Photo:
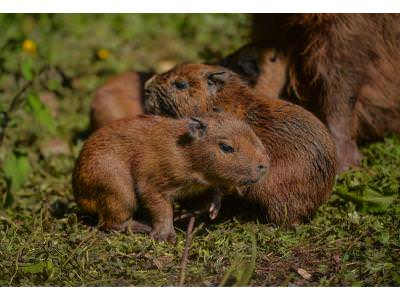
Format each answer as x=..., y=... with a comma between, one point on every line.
x=155, y=105
x=148, y=103
x=246, y=182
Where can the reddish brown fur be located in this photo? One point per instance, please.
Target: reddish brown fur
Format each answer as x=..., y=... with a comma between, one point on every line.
x=344, y=68
x=153, y=160
x=302, y=153
x=120, y=97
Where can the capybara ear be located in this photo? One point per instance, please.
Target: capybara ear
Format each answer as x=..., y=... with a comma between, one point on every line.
x=217, y=80
x=274, y=56
x=197, y=128
x=249, y=66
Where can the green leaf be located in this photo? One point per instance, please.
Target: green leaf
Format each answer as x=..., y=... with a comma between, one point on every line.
x=384, y=237
x=34, y=268
x=39, y=267
x=26, y=69
x=16, y=170
x=41, y=113
x=370, y=202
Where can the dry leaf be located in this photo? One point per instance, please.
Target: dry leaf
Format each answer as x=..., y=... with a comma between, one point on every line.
x=164, y=65
x=303, y=273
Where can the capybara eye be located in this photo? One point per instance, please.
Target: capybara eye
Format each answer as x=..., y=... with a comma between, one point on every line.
x=180, y=85
x=226, y=148
x=274, y=58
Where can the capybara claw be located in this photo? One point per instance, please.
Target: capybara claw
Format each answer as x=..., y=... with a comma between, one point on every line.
x=164, y=236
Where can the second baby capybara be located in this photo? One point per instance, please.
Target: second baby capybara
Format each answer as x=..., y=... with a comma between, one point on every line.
x=149, y=161
x=120, y=97
x=302, y=152
x=344, y=68
x=264, y=69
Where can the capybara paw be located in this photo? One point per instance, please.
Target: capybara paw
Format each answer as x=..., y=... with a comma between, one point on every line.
x=139, y=227
x=213, y=210
x=214, y=204
x=160, y=235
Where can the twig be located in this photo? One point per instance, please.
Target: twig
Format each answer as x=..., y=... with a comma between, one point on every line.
x=16, y=265
x=192, y=214
x=7, y=220
x=6, y=115
x=189, y=237
x=14, y=104
x=28, y=242
x=75, y=251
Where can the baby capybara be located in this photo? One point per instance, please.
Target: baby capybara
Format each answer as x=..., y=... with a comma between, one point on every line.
x=120, y=97
x=151, y=161
x=302, y=152
x=344, y=68
x=264, y=69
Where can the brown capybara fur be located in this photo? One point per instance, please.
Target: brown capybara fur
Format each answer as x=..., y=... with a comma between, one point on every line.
x=151, y=161
x=262, y=68
x=344, y=68
x=120, y=97
x=302, y=152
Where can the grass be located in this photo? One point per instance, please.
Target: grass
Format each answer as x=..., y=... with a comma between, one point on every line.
x=353, y=240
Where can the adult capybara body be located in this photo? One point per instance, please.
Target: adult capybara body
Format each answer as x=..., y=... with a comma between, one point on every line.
x=151, y=161
x=120, y=97
x=302, y=153
x=344, y=68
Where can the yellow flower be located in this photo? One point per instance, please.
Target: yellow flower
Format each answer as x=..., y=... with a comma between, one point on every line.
x=103, y=54
x=29, y=46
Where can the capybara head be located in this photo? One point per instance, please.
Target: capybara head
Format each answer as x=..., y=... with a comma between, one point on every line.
x=263, y=68
x=225, y=149
x=190, y=89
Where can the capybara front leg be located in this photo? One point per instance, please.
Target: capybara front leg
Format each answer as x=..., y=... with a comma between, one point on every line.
x=346, y=146
x=161, y=212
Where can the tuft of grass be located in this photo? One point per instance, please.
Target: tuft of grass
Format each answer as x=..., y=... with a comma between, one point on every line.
x=353, y=240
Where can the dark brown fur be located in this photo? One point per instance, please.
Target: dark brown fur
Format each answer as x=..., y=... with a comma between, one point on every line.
x=120, y=97
x=151, y=161
x=302, y=153
x=262, y=68
x=344, y=68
